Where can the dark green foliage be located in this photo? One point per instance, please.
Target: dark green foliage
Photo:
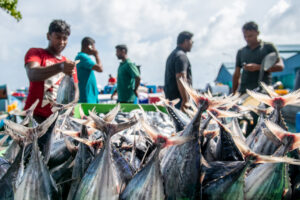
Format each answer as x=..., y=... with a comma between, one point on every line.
x=10, y=6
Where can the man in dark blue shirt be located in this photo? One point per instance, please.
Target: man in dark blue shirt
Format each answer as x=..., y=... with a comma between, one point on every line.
x=178, y=66
x=250, y=57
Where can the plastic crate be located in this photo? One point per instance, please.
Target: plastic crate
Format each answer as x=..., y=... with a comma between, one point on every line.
x=105, y=108
x=151, y=88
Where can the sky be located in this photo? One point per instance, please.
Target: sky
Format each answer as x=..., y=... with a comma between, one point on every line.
x=149, y=29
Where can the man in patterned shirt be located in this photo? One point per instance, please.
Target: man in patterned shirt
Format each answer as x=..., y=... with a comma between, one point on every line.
x=45, y=68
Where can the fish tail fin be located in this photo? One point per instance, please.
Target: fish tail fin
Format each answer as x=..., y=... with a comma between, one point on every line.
x=177, y=140
x=28, y=112
x=100, y=123
x=149, y=130
x=82, y=115
x=261, y=97
x=191, y=91
x=112, y=114
x=273, y=159
x=281, y=101
x=223, y=113
x=69, y=132
x=211, y=133
x=292, y=98
x=159, y=138
x=282, y=135
x=143, y=112
x=169, y=102
x=75, y=135
x=240, y=144
x=269, y=90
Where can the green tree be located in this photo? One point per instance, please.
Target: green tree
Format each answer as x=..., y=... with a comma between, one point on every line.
x=10, y=6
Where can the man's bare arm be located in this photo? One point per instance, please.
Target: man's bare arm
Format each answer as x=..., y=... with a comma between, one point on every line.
x=278, y=67
x=76, y=93
x=113, y=94
x=181, y=89
x=97, y=67
x=37, y=73
x=235, y=79
x=252, y=67
x=137, y=83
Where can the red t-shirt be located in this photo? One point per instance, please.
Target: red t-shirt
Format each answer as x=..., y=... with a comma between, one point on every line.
x=112, y=80
x=49, y=87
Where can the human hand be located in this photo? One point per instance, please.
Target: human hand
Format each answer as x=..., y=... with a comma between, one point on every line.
x=252, y=67
x=67, y=67
x=93, y=50
x=135, y=92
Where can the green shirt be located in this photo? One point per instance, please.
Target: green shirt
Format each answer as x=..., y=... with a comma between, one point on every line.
x=249, y=80
x=127, y=72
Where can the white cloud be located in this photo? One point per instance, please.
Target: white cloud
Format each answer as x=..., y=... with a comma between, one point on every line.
x=279, y=8
x=281, y=22
x=149, y=28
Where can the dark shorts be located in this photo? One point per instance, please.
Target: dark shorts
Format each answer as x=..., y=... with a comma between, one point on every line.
x=179, y=104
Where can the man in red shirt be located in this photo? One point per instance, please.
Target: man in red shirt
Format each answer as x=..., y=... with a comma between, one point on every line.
x=112, y=80
x=45, y=68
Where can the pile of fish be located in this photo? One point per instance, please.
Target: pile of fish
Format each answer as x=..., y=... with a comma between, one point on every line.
x=200, y=154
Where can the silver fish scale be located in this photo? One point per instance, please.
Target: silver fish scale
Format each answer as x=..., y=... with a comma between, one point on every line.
x=100, y=180
x=12, y=152
x=4, y=165
x=260, y=176
x=37, y=182
x=181, y=181
x=66, y=90
x=147, y=183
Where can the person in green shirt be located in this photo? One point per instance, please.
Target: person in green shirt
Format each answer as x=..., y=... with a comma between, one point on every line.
x=88, y=91
x=128, y=79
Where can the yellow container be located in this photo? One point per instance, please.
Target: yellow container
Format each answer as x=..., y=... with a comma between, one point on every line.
x=282, y=91
x=12, y=106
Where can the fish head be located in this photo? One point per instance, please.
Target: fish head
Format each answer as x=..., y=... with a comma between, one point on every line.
x=278, y=102
x=161, y=140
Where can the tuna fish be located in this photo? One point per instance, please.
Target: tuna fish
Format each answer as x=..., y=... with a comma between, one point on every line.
x=4, y=165
x=24, y=134
x=180, y=119
x=260, y=143
x=148, y=183
x=67, y=91
x=101, y=180
x=228, y=182
x=8, y=180
x=82, y=161
x=266, y=181
x=181, y=164
x=37, y=183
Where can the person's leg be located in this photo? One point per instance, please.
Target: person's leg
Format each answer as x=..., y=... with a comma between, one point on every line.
x=178, y=105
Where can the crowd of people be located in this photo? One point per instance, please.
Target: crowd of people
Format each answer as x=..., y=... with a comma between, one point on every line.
x=46, y=67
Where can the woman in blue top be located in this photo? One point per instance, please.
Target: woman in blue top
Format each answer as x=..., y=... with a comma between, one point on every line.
x=85, y=70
